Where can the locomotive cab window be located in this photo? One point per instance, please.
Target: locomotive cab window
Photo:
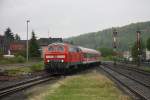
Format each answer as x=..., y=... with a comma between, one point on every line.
x=50, y=48
x=60, y=48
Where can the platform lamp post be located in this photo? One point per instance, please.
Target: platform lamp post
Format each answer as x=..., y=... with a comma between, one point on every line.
x=27, y=44
x=138, y=47
x=114, y=44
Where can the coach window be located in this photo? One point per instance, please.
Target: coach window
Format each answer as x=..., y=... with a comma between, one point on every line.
x=85, y=55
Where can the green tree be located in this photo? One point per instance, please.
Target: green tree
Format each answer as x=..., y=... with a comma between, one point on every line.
x=9, y=35
x=148, y=44
x=135, y=52
x=8, y=38
x=106, y=51
x=34, y=47
x=17, y=37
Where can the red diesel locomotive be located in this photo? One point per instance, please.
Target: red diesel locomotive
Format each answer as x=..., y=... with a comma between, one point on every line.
x=59, y=57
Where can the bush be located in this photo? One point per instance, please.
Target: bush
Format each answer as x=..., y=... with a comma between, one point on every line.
x=37, y=67
x=108, y=58
x=21, y=53
x=106, y=51
x=20, y=59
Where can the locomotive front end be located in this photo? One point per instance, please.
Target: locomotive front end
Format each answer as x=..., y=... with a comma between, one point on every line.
x=55, y=57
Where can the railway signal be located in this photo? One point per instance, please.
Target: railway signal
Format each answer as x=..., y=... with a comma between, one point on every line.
x=139, y=47
x=114, y=44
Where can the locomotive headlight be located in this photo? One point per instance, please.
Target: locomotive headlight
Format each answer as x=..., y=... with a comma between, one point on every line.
x=62, y=60
x=47, y=60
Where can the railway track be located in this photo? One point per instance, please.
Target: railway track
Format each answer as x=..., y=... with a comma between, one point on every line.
x=135, y=81
x=135, y=74
x=134, y=67
x=25, y=84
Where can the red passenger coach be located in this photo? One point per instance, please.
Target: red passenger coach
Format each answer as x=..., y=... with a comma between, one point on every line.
x=59, y=57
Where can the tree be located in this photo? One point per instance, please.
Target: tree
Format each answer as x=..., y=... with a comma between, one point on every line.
x=135, y=52
x=9, y=35
x=17, y=37
x=106, y=51
x=148, y=44
x=34, y=47
x=8, y=38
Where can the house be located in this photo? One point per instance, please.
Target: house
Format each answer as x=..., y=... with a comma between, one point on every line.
x=17, y=46
x=20, y=46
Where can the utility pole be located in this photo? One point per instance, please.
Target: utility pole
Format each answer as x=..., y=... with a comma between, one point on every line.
x=114, y=44
x=27, y=44
x=139, y=47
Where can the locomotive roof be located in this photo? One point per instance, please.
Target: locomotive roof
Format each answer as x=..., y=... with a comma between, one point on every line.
x=57, y=44
x=83, y=49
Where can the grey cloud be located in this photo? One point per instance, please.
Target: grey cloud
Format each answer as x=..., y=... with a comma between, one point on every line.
x=64, y=18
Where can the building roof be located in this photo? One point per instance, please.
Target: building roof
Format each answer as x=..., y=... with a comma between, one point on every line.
x=19, y=42
x=47, y=41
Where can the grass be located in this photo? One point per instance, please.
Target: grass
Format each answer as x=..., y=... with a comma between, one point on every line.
x=18, y=59
x=18, y=71
x=37, y=67
x=25, y=70
x=91, y=86
x=145, y=68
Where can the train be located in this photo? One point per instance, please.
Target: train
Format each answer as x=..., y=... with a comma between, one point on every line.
x=64, y=57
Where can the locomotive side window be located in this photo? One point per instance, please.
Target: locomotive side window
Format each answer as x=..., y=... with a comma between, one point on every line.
x=72, y=49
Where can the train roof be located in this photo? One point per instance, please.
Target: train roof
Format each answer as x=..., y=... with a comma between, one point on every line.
x=87, y=50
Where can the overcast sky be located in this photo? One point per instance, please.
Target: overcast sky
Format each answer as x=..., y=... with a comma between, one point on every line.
x=65, y=18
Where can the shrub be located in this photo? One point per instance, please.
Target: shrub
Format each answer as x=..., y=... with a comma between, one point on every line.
x=21, y=53
x=108, y=58
x=20, y=59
